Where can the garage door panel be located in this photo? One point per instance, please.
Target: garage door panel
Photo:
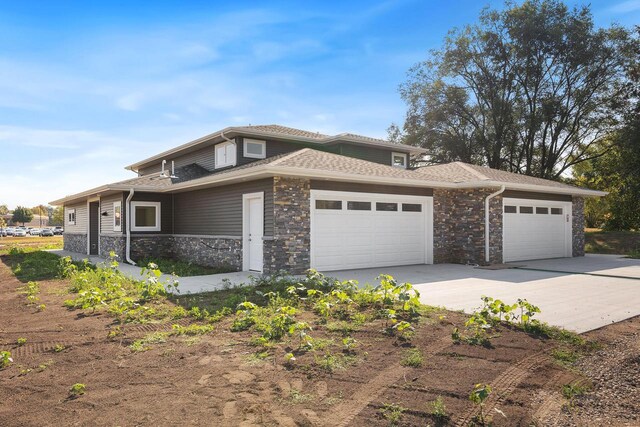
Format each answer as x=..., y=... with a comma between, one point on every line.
x=343, y=239
x=528, y=236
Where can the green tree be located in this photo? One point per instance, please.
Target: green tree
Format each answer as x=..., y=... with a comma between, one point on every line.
x=57, y=218
x=4, y=210
x=618, y=169
x=530, y=89
x=22, y=214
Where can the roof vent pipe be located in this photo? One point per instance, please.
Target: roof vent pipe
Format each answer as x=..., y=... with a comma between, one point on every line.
x=163, y=163
x=173, y=170
x=487, y=230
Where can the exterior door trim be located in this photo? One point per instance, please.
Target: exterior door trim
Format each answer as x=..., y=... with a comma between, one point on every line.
x=246, y=211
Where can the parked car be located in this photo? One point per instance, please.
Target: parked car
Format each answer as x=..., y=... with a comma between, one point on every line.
x=46, y=232
x=35, y=231
x=10, y=231
x=3, y=232
x=19, y=232
x=58, y=230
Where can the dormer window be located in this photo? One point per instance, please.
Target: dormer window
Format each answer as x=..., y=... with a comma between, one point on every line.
x=399, y=160
x=225, y=154
x=255, y=148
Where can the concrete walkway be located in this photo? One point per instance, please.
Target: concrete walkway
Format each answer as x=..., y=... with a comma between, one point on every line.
x=186, y=285
x=579, y=294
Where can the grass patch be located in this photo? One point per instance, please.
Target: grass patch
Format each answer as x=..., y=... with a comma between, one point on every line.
x=412, y=357
x=29, y=244
x=565, y=356
x=392, y=412
x=183, y=268
x=613, y=242
x=570, y=391
x=143, y=344
x=29, y=265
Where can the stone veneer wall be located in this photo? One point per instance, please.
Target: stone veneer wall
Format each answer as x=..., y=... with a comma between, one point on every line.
x=578, y=226
x=113, y=243
x=151, y=246
x=458, y=226
x=75, y=242
x=209, y=251
x=290, y=247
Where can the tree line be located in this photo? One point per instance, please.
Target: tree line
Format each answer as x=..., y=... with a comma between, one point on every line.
x=535, y=88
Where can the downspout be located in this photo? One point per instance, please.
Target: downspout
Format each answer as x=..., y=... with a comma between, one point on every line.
x=128, y=227
x=487, y=230
x=224, y=137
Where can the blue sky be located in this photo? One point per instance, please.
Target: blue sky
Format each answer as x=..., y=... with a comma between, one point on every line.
x=87, y=88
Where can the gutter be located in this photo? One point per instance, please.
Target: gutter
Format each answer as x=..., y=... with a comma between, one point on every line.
x=128, y=228
x=487, y=230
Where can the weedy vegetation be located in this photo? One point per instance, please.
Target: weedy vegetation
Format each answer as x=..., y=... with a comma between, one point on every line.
x=478, y=396
x=412, y=357
x=5, y=359
x=392, y=412
x=77, y=389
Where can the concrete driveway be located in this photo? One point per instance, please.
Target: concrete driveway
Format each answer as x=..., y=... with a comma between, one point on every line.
x=579, y=294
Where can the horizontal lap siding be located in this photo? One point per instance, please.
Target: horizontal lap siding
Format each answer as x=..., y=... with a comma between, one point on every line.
x=81, y=218
x=106, y=205
x=516, y=194
x=377, y=155
x=218, y=211
x=203, y=157
x=370, y=188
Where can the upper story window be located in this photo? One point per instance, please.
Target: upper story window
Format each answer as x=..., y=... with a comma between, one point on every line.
x=399, y=160
x=71, y=217
x=255, y=148
x=117, y=216
x=225, y=154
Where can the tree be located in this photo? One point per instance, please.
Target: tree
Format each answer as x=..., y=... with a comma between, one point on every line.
x=531, y=89
x=22, y=214
x=57, y=217
x=4, y=210
x=618, y=170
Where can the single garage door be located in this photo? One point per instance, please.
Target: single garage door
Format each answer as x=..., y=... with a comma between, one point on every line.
x=536, y=229
x=361, y=230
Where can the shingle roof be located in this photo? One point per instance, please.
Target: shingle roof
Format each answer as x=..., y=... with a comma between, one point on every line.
x=283, y=130
x=313, y=163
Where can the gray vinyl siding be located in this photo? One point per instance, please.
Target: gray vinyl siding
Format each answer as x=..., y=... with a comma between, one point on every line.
x=516, y=194
x=370, y=188
x=166, y=211
x=106, y=222
x=376, y=155
x=81, y=218
x=218, y=211
x=204, y=157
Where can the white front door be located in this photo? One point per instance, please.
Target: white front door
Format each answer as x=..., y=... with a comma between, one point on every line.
x=253, y=227
x=536, y=229
x=363, y=230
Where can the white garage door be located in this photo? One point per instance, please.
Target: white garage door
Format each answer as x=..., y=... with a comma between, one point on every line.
x=360, y=230
x=536, y=229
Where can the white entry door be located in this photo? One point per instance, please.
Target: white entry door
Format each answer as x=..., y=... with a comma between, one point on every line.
x=536, y=229
x=361, y=230
x=253, y=230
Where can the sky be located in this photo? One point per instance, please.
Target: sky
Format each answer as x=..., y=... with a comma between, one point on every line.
x=87, y=88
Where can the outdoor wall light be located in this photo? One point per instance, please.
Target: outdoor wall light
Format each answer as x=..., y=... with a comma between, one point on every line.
x=105, y=213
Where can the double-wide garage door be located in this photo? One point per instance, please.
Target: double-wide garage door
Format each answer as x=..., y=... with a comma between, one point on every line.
x=361, y=230
x=536, y=229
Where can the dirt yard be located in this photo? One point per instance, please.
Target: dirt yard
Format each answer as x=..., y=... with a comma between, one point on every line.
x=220, y=378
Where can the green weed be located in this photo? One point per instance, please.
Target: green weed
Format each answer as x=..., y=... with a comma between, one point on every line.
x=412, y=357
x=392, y=413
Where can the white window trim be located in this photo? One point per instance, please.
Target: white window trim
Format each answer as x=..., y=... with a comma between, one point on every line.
x=403, y=155
x=115, y=226
x=227, y=163
x=71, y=211
x=134, y=205
x=262, y=143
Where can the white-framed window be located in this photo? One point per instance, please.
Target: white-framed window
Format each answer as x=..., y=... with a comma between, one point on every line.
x=117, y=216
x=71, y=217
x=255, y=148
x=145, y=216
x=399, y=160
x=225, y=154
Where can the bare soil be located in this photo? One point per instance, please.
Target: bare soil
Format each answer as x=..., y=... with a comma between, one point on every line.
x=218, y=379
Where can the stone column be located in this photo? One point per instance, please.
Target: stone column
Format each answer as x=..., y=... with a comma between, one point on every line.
x=577, y=222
